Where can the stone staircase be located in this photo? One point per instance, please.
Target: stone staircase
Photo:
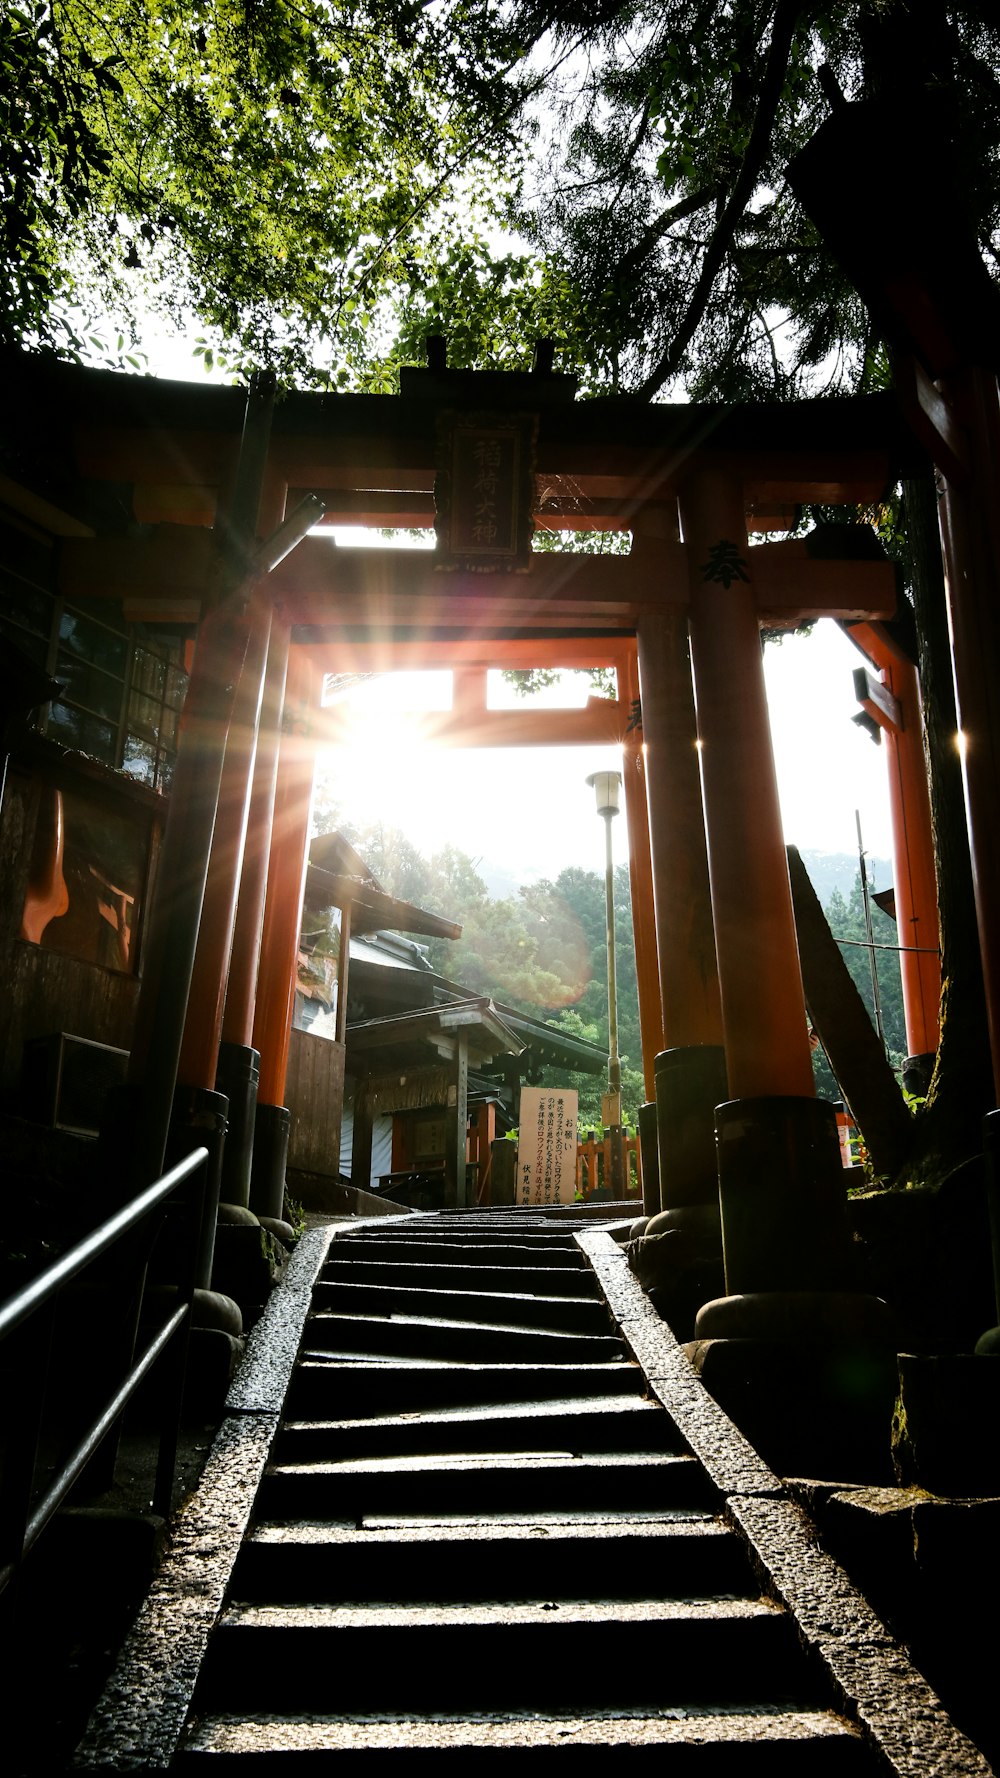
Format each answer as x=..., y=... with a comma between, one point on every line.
x=473, y=1526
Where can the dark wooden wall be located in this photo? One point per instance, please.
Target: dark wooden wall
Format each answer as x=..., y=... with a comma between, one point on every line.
x=314, y=1094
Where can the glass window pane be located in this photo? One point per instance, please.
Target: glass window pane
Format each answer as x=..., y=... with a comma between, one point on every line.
x=140, y=759
x=92, y=642
x=144, y=716
x=85, y=685
x=75, y=728
x=148, y=673
x=35, y=647
x=29, y=606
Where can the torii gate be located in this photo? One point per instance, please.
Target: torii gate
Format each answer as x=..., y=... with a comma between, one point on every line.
x=679, y=617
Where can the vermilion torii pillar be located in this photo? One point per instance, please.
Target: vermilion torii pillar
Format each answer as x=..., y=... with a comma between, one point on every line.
x=894, y=703
x=691, y=1067
x=286, y=876
x=915, y=879
x=203, y=1024
x=239, y=1062
x=780, y=1177
x=640, y=872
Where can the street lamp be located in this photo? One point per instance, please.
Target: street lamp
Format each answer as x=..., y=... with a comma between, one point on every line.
x=606, y=786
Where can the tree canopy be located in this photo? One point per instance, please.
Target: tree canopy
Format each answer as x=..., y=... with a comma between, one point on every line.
x=320, y=182
x=270, y=170
x=662, y=190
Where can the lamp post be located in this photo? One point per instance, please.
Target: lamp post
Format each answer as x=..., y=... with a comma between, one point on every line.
x=606, y=786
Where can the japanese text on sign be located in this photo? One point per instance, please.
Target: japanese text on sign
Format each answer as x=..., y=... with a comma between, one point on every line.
x=546, y=1148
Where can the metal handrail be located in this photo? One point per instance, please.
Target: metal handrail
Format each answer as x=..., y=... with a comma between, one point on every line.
x=34, y=1294
x=22, y=1531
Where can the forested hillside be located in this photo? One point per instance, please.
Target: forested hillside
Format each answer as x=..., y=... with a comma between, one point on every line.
x=543, y=950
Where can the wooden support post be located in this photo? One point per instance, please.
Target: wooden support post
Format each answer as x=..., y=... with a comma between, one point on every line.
x=285, y=888
x=482, y=1134
x=780, y=1178
x=641, y=875
x=685, y=937
x=914, y=874
x=237, y=1024
x=202, y=1028
x=763, y=1009
x=361, y=1142
x=286, y=876
x=343, y=971
x=172, y=926
x=690, y=1072
x=849, y=1037
x=456, y=1124
x=970, y=523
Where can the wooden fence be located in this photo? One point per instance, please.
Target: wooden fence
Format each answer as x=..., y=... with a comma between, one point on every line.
x=593, y=1165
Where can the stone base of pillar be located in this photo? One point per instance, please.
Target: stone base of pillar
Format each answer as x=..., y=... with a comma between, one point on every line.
x=945, y=1433
x=237, y=1076
x=917, y=1071
x=690, y=1083
x=270, y=1155
x=199, y=1119
x=782, y=1194
x=678, y=1262
x=648, y=1150
x=808, y=1376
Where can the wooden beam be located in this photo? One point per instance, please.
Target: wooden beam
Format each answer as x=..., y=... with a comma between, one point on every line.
x=328, y=590
x=373, y=910
x=883, y=648
x=576, y=652
x=794, y=587
x=40, y=512
x=933, y=418
x=148, y=454
x=587, y=452
x=602, y=722
x=343, y=971
x=456, y=1124
x=878, y=700
x=848, y=1035
x=174, y=503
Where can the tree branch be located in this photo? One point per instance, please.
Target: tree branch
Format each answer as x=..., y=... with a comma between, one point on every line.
x=655, y=232
x=785, y=20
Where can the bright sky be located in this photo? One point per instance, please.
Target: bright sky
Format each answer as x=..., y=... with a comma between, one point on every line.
x=528, y=812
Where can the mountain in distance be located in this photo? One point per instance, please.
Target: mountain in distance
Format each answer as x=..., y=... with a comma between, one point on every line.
x=837, y=870
x=827, y=871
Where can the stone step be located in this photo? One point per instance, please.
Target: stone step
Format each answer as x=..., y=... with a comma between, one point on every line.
x=513, y=1308
x=324, y=1385
x=611, y=1423
x=508, y=1250
x=487, y=1483
x=765, y=1743
x=412, y=1336
x=696, y=1556
x=435, y=1274
x=626, y=1655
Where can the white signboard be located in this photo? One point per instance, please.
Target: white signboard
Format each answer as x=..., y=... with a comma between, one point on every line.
x=546, y=1146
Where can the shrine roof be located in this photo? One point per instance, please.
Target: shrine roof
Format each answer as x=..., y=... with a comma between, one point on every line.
x=404, y=1038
